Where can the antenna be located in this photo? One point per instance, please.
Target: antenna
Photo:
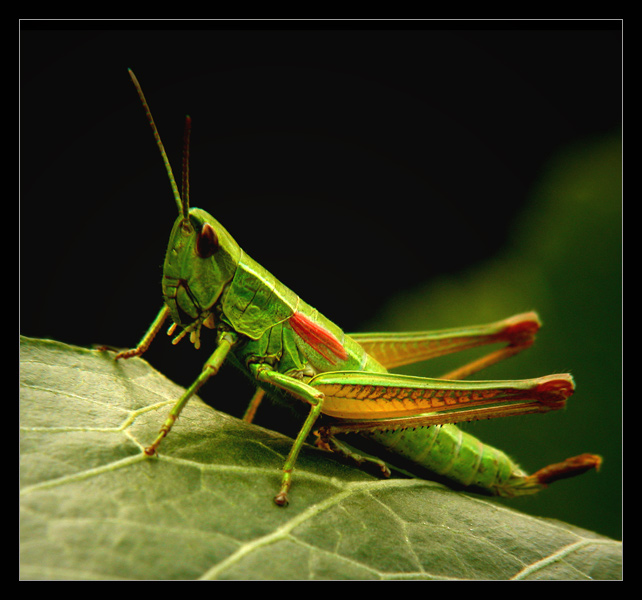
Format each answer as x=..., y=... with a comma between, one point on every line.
x=181, y=203
x=185, y=178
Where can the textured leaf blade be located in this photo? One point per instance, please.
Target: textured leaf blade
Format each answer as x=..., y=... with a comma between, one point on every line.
x=94, y=507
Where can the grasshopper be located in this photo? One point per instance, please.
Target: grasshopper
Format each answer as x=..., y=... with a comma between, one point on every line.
x=290, y=349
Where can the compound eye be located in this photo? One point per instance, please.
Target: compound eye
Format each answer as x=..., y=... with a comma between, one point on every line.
x=206, y=241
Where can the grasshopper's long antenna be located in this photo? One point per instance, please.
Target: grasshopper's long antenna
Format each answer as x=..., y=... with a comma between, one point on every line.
x=185, y=178
x=181, y=203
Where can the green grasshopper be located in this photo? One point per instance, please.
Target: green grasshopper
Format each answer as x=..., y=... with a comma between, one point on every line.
x=289, y=349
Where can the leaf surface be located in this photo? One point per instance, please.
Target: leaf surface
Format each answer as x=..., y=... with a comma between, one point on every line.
x=94, y=507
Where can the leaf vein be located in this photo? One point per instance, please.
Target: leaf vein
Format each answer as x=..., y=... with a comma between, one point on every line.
x=558, y=556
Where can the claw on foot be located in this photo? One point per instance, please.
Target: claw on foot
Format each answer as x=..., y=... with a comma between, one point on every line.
x=281, y=499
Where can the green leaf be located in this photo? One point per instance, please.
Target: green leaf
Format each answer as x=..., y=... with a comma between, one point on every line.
x=94, y=507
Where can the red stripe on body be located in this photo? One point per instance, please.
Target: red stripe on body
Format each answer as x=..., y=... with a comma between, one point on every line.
x=318, y=338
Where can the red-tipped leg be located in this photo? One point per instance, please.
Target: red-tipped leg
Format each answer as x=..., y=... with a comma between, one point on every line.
x=567, y=468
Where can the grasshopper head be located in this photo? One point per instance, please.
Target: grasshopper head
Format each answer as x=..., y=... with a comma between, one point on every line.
x=201, y=256
x=201, y=259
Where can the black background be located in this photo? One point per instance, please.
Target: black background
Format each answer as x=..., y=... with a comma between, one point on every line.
x=350, y=159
